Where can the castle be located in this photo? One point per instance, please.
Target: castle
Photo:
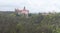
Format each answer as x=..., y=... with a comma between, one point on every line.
x=24, y=12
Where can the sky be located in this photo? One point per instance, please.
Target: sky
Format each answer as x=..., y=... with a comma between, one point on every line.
x=34, y=6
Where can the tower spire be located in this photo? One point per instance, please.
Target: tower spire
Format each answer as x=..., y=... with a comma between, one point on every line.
x=24, y=7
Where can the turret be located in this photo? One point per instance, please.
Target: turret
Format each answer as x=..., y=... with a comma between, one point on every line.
x=24, y=8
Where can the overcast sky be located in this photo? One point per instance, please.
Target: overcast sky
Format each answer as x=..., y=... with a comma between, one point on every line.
x=32, y=5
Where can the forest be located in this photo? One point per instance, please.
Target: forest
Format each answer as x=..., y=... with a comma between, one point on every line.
x=36, y=23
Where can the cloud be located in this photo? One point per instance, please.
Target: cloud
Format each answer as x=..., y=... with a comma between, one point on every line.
x=32, y=5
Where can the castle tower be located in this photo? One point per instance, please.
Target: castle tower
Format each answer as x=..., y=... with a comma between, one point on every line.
x=24, y=8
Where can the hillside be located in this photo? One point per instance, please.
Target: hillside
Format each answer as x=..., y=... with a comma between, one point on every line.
x=36, y=23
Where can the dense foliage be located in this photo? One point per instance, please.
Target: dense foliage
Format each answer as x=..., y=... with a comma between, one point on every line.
x=36, y=23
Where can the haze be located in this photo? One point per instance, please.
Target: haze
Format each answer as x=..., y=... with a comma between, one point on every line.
x=34, y=6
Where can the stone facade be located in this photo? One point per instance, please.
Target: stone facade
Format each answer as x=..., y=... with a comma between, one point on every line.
x=24, y=12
